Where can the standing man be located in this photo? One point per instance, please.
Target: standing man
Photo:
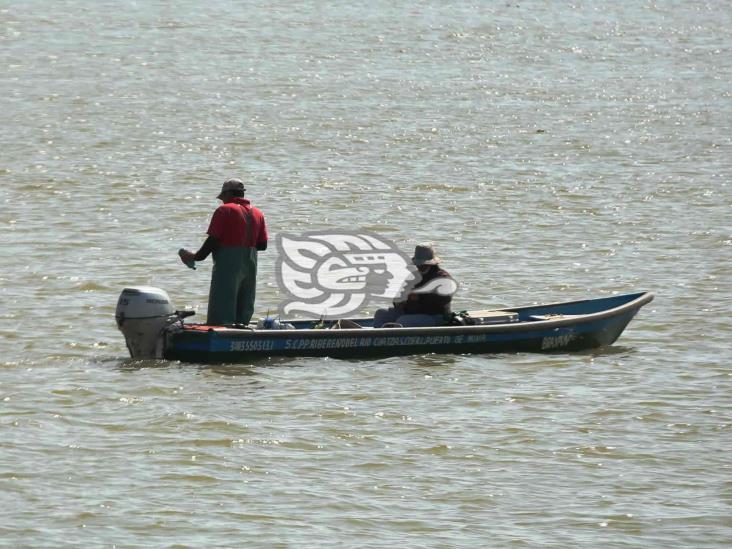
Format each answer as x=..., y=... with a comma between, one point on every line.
x=236, y=232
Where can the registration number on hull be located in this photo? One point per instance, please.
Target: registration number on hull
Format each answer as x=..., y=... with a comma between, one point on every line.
x=557, y=341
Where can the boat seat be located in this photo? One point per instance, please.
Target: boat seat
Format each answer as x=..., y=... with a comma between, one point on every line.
x=557, y=316
x=493, y=317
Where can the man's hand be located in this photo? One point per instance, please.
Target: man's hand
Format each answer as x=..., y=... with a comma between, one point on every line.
x=186, y=256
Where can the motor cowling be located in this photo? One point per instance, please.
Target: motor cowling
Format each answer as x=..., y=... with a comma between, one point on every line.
x=142, y=314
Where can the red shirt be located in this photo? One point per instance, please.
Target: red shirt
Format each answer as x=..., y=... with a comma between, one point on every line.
x=238, y=223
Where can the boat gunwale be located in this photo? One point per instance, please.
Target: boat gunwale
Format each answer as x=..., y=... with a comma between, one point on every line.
x=248, y=333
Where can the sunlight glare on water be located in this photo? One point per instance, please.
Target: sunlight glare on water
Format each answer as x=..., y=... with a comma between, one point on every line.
x=551, y=152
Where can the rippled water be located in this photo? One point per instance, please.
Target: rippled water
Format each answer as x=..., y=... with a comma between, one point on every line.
x=550, y=151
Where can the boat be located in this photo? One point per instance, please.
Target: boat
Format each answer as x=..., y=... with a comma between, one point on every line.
x=152, y=329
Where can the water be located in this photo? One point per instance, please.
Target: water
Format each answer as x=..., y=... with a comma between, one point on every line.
x=549, y=151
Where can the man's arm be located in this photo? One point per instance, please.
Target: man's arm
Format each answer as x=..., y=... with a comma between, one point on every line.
x=209, y=245
x=262, y=237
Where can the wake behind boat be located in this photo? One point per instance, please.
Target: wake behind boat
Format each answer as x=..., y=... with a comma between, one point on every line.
x=153, y=329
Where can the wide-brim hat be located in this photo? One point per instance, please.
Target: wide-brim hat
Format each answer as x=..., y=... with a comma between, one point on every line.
x=236, y=185
x=424, y=254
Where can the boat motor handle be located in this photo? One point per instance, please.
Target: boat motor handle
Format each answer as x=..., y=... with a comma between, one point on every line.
x=184, y=314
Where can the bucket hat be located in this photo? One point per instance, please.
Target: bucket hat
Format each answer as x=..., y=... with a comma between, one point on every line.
x=424, y=254
x=232, y=185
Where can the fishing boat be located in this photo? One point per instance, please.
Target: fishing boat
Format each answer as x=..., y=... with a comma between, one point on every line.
x=153, y=329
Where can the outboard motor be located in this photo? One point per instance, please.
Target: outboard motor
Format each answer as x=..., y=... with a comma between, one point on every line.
x=143, y=312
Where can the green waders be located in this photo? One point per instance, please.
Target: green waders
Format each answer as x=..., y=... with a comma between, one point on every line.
x=233, y=286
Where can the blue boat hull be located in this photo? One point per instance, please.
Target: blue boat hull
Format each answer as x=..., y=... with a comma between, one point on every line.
x=569, y=326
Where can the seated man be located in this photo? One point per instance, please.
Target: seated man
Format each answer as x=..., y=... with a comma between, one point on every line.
x=428, y=303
